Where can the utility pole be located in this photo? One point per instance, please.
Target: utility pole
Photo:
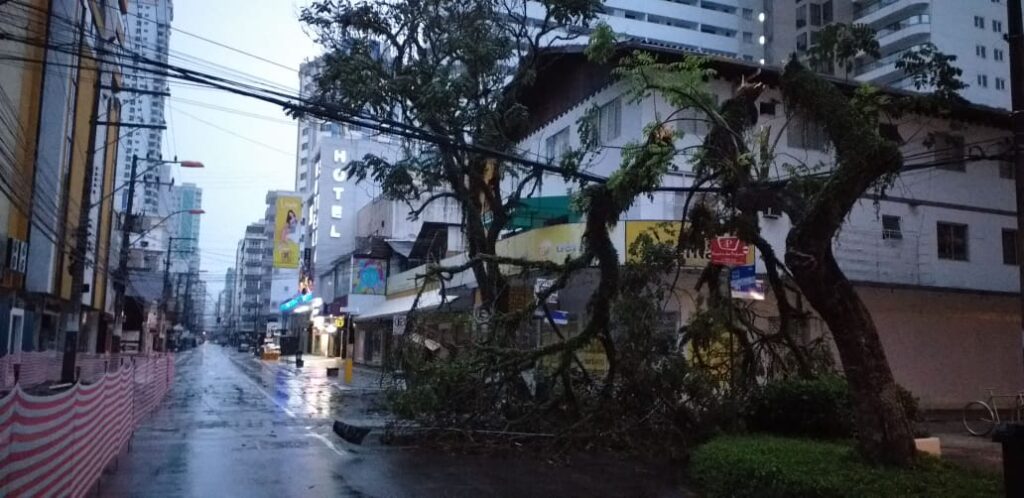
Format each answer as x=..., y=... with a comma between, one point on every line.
x=121, y=283
x=1015, y=37
x=79, y=255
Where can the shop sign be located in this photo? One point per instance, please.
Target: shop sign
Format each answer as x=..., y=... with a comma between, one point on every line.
x=743, y=283
x=543, y=284
x=730, y=251
x=339, y=175
x=663, y=232
x=398, y=325
x=295, y=302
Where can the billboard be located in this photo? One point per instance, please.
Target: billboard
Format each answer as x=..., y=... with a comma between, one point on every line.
x=287, y=213
x=663, y=232
x=369, y=276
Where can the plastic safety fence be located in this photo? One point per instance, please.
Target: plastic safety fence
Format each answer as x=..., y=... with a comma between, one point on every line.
x=29, y=369
x=58, y=445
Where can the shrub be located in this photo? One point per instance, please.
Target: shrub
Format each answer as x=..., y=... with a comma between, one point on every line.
x=817, y=407
x=769, y=466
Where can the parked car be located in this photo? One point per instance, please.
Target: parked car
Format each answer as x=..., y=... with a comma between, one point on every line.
x=243, y=347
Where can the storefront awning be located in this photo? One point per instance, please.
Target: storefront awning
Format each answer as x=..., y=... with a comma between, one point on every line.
x=402, y=305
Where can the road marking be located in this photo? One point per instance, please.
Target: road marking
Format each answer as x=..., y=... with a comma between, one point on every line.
x=291, y=414
x=327, y=442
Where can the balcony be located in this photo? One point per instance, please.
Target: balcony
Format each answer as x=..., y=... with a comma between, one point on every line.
x=910, y=31
x=873, y=13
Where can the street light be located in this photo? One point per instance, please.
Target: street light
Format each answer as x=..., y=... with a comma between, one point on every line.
x=121, y=280
x=122, y=267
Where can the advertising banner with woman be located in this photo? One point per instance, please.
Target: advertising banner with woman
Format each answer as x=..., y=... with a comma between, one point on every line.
x=286, y=232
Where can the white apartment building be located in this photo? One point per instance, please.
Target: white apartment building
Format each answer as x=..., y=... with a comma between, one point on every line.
x=973, y=31
x=728, y=28
x=934, y=260
x=185, y=228
x=148, y=26
x=247, y=304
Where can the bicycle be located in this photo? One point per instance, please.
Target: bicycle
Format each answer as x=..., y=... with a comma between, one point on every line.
x=980, y=417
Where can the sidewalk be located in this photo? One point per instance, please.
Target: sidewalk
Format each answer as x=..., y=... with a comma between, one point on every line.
x=957, y=446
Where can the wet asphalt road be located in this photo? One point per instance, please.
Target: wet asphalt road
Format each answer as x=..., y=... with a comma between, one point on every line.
x=234, y=426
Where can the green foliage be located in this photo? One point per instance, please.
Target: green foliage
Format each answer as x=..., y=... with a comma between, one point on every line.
x=601, y=47
x=818, y=407
x=930, y=68
x=815, y=407
x=840, y=43
x=774, y=467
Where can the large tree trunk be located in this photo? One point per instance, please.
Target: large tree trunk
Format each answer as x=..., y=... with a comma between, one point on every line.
x=884, y=434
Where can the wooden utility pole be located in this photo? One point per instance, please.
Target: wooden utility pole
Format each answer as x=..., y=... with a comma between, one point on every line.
x=1015, y=37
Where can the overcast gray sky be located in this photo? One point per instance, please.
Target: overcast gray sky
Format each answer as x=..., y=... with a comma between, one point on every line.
x=244, y=156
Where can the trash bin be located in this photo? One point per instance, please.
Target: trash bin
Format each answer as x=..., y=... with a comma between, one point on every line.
x=1011, y=436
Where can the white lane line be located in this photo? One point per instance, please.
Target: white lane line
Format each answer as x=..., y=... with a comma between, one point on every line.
x=292, y=414
x=271, y=398
x=327, y=443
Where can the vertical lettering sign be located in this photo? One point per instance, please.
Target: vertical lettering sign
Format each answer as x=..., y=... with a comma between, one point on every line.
x=339, y=176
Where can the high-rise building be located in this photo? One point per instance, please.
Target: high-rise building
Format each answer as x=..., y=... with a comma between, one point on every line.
x=148, y=24
x=728, y=28
x=57, y=157
x=248, y=301
x=185, y=229
x=972, y=31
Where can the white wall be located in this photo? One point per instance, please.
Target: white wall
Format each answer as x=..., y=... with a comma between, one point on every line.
x=977, y=197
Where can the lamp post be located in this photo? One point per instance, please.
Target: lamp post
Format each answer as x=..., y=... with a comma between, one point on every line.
x=121, y=282
x=76, y=317
x=167, y=270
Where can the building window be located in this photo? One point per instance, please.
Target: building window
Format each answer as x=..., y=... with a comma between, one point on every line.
x=1009, y=246
x=979, y=22
x=952, y=241
x=1000, y=84
x=979, y=50
x=748, y=37
x=805, y=134
x=748, y=14
x=983, y=81
x=767, y=108
x=998, y=54
x=949, y=152
x=557, y=144
x=826, y=12
x=891, y=227
x=1006, y=170
x=610, y=120
x=692, y=121
x=997, y=26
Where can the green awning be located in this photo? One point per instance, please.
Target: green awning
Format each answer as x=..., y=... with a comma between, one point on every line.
x=539, y=212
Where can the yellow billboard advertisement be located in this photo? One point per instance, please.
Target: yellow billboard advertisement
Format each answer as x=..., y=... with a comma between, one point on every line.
x=288, y=212
x=668, y=232
x=553, y=243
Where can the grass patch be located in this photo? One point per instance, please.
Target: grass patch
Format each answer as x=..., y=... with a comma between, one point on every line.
x=769, y=466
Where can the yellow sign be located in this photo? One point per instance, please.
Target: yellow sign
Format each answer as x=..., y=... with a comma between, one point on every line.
x=553, y=243
x=667, y=232
x=286, y=232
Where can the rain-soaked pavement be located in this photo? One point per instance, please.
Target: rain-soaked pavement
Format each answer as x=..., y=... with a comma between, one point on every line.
x=235, y=426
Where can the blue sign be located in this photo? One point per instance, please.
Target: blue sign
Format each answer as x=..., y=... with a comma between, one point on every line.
x=296, y=301
x=743, y=283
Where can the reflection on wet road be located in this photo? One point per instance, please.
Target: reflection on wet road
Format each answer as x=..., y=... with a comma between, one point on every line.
x=234, y=426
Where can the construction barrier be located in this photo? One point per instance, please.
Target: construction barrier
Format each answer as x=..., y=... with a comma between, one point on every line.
x=29, y=369
x=58, y=445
